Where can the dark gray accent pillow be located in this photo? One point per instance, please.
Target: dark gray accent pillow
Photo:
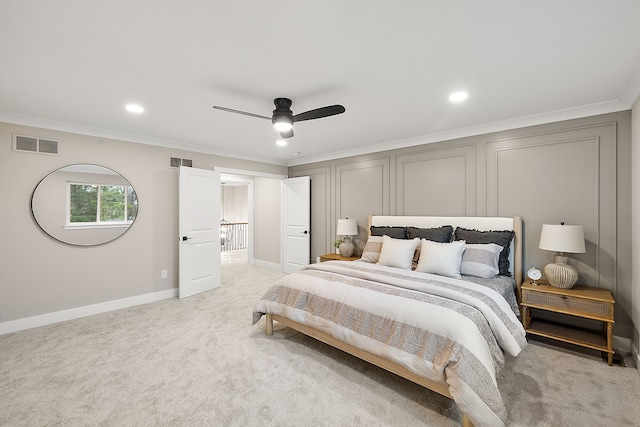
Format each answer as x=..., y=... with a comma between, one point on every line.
x=393, y=232
x=440, y=234
x=502, y=238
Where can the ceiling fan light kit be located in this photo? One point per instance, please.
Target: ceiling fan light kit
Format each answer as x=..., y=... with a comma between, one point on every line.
x=283, y=124
x=283, y=118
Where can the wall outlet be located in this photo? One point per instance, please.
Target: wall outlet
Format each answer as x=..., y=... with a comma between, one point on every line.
x=163, y=274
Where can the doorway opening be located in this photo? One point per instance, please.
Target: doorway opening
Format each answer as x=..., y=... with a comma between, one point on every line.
x=234, y=220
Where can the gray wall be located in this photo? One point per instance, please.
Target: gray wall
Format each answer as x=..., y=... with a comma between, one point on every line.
x=49, y=204
x=235, y=203
x=267, y=217
x=575, y=171
x=40, y=275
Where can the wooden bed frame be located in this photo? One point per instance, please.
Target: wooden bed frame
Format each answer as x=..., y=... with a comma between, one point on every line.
x=479, y=223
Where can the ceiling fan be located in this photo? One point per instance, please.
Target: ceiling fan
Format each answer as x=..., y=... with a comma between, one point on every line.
x=283, y=118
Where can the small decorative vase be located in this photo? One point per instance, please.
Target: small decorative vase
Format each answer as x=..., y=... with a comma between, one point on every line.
x=338, y=251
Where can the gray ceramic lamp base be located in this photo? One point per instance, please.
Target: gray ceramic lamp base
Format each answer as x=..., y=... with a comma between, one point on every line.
x=560, y=274
x=346, y=248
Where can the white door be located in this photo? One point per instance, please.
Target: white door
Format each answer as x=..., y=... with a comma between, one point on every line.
x=199, y=227
x=296, y=212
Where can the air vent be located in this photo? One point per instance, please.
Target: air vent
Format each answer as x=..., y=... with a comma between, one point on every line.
x=176, y=162
x=32, y=144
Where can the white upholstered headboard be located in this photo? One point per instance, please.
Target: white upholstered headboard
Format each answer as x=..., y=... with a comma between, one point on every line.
x=480, y=223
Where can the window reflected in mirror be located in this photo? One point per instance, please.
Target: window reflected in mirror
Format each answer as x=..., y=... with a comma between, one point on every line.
x=101, y=205
x=84, y=204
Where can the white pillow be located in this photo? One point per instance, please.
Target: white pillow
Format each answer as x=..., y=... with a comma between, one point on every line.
x=371, y=251
x=481, y=260
x=397, y=252
x=441, y=258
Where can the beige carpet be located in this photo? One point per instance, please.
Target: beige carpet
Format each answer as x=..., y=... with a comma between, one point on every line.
x=200, y=362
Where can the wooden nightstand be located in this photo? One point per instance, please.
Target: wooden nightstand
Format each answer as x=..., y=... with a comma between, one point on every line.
x=579, y=301
x=337, y=257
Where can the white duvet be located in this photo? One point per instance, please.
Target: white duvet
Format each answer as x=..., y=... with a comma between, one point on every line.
x=446, y=330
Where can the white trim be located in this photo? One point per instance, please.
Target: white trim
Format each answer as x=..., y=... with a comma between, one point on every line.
x=267, y=264
x=622, y=344
x=94, y=225
x=519, y=122
x=634, y=354
x=251, y=217
x=232, y=171
x=38, y=122
x=87, y=310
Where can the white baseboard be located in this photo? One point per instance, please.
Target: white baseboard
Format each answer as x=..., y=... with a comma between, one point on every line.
x=621, y=343
x=88, y=310
x=625, y=345
x=266, y=264
x=635, y=355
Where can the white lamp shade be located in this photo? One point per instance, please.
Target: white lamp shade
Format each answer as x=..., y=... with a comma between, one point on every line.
x=347, y=227
x=562, y=238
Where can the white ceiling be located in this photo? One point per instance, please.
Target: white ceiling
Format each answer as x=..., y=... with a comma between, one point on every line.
x=73, y=65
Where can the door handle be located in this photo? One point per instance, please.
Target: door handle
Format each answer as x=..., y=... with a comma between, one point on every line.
x=305, y=232
x=185, y=238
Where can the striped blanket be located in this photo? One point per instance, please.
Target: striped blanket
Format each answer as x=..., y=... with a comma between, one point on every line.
x=447, y=330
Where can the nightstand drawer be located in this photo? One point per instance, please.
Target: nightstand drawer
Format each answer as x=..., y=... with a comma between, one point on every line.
x=574, y=305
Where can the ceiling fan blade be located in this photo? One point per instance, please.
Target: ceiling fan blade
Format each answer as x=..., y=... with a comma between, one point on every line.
x=287, y=134
x=231, y=110
x=318, y=113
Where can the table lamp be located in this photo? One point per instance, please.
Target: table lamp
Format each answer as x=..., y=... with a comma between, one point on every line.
x=562, y=238
x=346, y=227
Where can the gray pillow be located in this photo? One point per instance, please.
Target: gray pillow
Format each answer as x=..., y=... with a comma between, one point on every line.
x=393, y=232
x=440, y=234
x=502, y=238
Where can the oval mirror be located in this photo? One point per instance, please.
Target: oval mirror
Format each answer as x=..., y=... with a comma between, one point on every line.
x=84, y=204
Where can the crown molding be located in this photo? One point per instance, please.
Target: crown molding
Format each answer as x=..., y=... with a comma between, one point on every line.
x=520, y=122
x=38, y=122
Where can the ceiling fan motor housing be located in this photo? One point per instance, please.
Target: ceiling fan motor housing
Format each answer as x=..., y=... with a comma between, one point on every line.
x=283, y=109
x=282, y=118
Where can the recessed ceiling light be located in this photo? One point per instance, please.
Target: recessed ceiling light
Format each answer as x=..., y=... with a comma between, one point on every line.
x=458, y=96
x=281, y=142
x=134, y=108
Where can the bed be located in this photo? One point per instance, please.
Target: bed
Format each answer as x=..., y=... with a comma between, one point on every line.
x=418, y=305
